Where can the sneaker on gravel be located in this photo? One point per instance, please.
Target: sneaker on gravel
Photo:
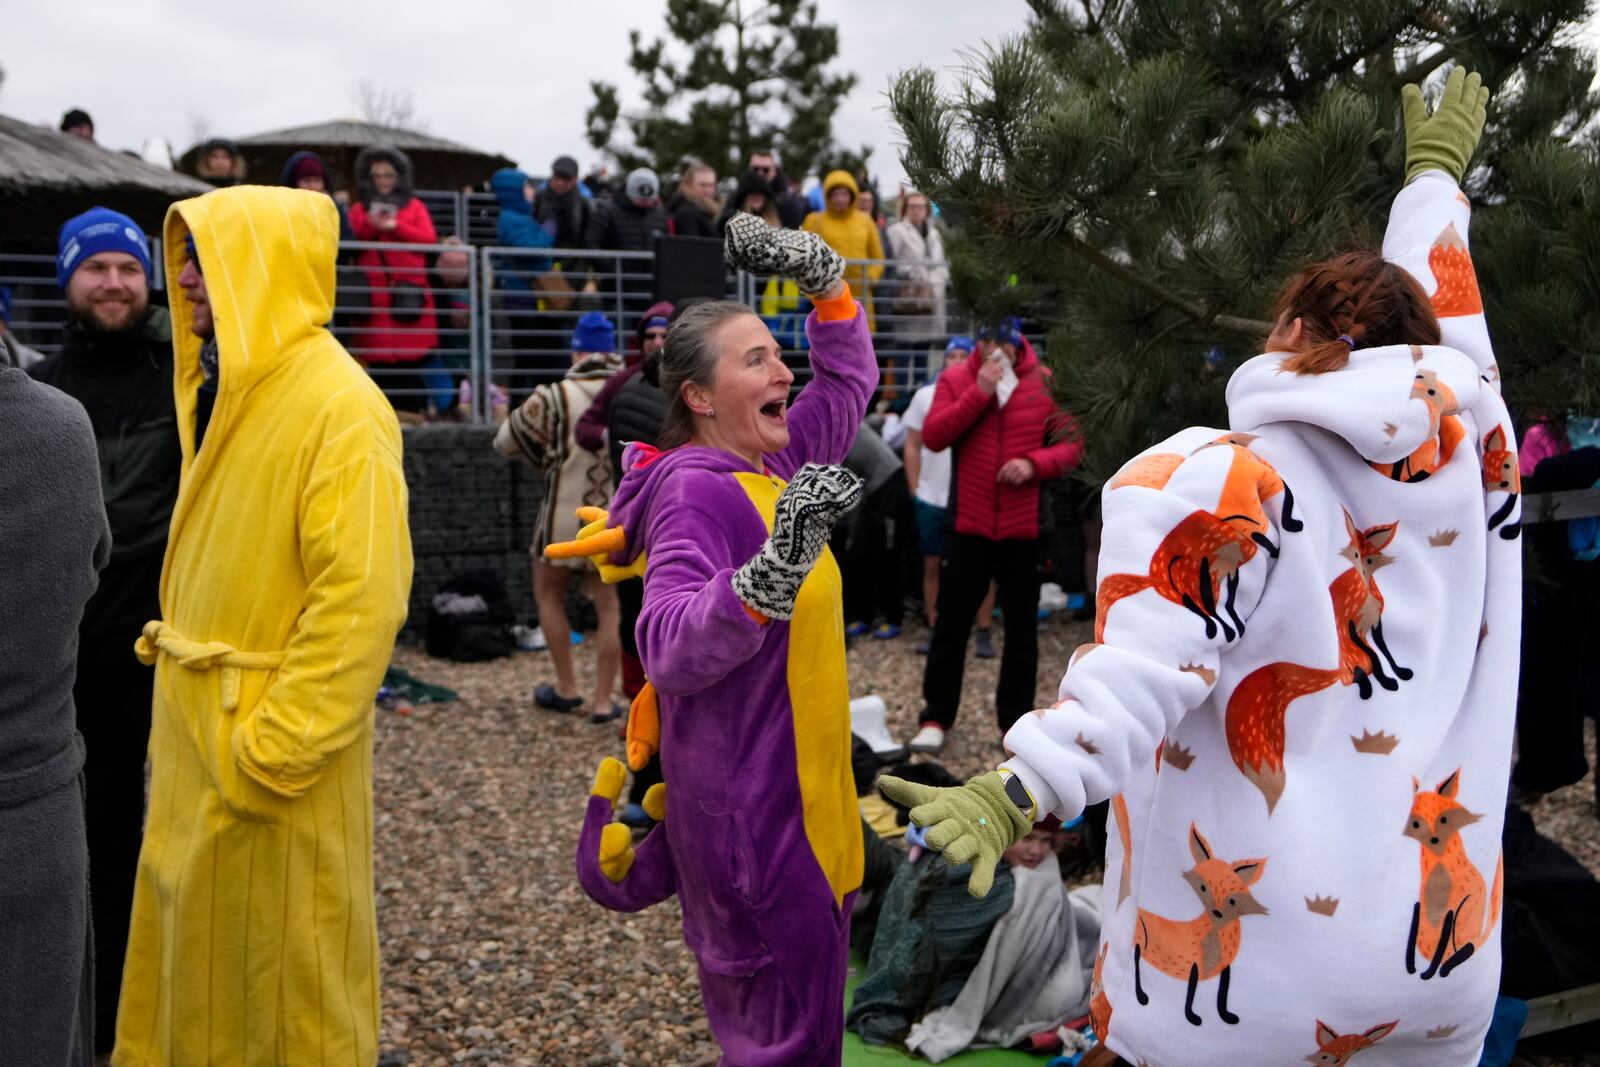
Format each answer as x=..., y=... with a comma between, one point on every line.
x=986, y=644
x=600, y=718
x=886, y=632
x=928, y=739
x=546, y=697
x=855, y=629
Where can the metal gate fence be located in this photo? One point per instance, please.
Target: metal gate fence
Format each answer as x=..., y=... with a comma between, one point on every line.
x=443, y=327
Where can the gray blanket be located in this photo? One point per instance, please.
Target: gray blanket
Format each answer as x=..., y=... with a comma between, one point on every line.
x=1034, y=974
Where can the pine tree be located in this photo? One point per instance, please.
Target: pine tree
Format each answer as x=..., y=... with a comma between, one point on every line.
x=755, y=77
x=1142, y=176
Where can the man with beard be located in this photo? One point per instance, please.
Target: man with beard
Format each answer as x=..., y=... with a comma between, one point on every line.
x=116, y=360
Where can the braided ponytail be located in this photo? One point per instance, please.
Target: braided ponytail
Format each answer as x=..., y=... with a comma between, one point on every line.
x=1356, y=300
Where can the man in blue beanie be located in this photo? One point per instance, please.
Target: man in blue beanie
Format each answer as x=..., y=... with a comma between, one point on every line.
x=116, y=360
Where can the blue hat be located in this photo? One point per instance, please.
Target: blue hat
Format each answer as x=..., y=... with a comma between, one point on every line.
x=961, y=341
x=5, y=304
x=98, y=230
x=594, y=334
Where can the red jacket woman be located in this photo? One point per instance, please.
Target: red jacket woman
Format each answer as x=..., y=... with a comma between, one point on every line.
x=988, y=432
x=401, y=327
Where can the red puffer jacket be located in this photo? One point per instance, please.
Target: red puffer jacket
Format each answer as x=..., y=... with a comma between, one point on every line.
x=986, y=436
x=381, y=337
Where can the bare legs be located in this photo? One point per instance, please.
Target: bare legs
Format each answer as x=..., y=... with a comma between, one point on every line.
x=549, y=593
x=608, y=651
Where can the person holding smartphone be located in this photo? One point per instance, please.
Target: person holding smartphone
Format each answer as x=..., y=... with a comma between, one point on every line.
x=401, y=331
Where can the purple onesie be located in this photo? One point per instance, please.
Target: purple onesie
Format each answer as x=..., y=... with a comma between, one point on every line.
x=762, y=835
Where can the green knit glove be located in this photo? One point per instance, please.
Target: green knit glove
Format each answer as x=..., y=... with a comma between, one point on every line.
x=1446, y=139
x=972, y=823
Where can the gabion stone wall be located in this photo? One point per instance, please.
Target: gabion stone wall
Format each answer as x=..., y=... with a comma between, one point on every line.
x=471, y=509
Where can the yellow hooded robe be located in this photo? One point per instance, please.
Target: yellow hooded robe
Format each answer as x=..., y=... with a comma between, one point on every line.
x=852, y=234
x=254, y=933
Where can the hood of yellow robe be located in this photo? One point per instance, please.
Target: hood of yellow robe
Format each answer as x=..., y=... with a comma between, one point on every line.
x=271, y=296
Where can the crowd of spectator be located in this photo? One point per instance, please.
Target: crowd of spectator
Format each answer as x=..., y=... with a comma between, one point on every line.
x=406, y=313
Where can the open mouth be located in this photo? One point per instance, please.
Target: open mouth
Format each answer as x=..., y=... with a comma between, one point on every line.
x=777, y=411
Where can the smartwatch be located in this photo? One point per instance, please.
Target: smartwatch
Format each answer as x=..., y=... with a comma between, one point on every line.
x=1018, y=794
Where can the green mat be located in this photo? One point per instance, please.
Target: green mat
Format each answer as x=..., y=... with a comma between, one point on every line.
x=859, y=1054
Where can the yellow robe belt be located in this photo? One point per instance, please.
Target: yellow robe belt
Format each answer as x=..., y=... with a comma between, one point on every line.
x=160, y=639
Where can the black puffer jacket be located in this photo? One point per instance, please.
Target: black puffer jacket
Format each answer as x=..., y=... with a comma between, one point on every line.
x=567, y=217
x=124, y=382
x=622, y=226
x=636, y=414
x=691, y=217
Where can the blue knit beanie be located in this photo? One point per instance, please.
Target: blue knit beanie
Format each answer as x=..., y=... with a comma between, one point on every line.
x=98, y=230
x=594, y=334
x=961, y=341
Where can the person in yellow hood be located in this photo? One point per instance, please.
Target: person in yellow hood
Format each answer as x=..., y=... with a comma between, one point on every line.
x=254, y=933
x=850, y=233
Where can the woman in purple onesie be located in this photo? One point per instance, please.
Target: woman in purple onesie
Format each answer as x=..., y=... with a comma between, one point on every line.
x=742, y=638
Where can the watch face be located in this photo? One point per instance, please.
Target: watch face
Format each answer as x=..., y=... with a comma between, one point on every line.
x=1018, y=793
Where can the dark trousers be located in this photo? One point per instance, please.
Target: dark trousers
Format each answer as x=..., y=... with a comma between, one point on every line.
x=112, y=694
x=969, y=565
x=1558, y=680
x=873, y=547
x=630, y=600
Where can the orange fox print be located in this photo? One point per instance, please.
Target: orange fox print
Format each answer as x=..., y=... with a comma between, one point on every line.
x=1501, y=474
x=1196, y=566
x=1099, y=1003
x=1445, y=431
x=1449, y=919
x=1358, y=608
x=1451, y=265
x=1119, y=808
x=1205, y=947
x=1334, y=1048
x=1254, y=720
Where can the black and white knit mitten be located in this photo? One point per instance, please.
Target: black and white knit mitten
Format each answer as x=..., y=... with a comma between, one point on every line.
x=804, y=518
x=754, y=246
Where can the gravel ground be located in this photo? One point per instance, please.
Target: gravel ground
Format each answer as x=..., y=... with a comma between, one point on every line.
x=490, y=951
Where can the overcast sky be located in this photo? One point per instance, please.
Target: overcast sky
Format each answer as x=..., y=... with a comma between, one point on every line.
x=510, y=76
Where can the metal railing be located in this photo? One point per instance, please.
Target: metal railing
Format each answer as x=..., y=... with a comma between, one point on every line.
x=426, y=320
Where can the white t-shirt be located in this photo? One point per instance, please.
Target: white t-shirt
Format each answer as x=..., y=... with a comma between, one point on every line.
x=933, y=477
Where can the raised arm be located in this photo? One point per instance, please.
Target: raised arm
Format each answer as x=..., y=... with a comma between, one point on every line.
x=1428, y=225
x=823, y=421
x=958, y=400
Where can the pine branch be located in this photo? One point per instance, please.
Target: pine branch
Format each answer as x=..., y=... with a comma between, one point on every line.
x=1199, y=315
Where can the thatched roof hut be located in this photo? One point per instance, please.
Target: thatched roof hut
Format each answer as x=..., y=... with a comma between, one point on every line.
x=47, y=177
x=438, y=163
